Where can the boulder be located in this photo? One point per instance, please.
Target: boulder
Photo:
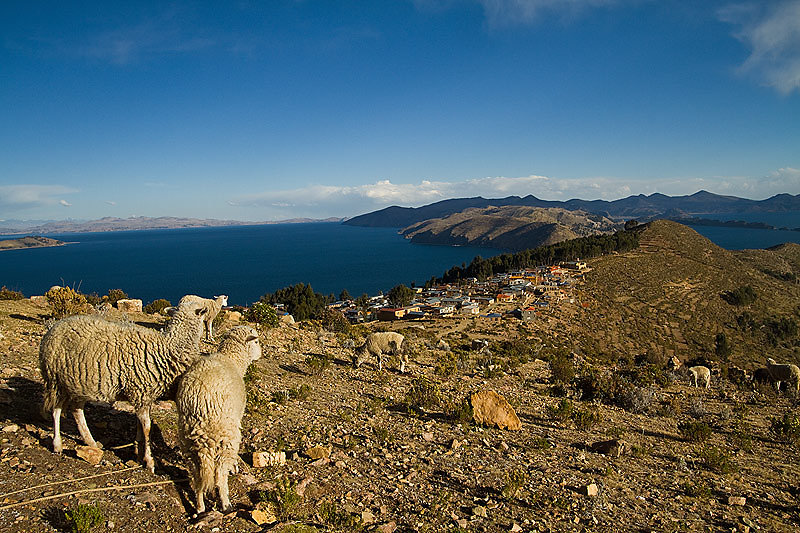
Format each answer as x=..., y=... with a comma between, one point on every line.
x=611, y=448
x=131, y=305
x=491, y=409
x=262, y=459
x=90, y=454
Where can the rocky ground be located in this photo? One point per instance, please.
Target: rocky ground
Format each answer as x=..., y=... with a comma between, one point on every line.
x=363, y=454
x=382, y=451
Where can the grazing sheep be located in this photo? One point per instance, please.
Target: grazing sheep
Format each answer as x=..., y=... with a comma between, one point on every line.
x=84, y=358
x=784, y=373
x=211, y=399
x=698, y=373
x=380, y=343
x=214, y=306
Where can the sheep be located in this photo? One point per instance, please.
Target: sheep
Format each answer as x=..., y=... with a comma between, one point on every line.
x=380, y=343
x=211, y=400
x=784, y=373
x=214, y=306
x=697, y=373
x=84, y=358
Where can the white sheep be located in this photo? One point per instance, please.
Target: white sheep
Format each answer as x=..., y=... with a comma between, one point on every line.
x=211, y=400
x=214, y=306
x=784, y=373
x=379, y=343
x=699, y=373
x=84, y=358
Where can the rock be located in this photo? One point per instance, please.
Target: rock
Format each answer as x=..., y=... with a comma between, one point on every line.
x=262, y=459
x=90, y=454
x=462, y=523
x=300, y=488
x=233, y=316
x=427, y=436
x=611, y=448
x=491, y=409
x=319, y=452
x=287, y=319
x=516, y=528
x=367, y=517
x=456, y=444
x=39, y=300
x=210, y=519
x=11, y=428
x=590, y=490
x=737, y=500
x=263, y=514
x=130, y=305
x=503, y=446
x=479, y=510
x=248, y=479
x=388, y=527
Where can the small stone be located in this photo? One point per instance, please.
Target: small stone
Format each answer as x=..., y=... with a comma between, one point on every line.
x=262, y=459
x=319, y=452
x=462, y=523
x=130, y=305
x=248, y=479
x=388, y=527
x=479, y=510
x=503, y=446
x=427, y=436
x=590, y=490
x=737, y=500
x=90, y=454
x=516, y=528
x=456, y=444
x=263, y=515
x=367, y=517
x=11, y=428
x=110, y=524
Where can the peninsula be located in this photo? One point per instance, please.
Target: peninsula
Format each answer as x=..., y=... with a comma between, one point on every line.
x=29, y=242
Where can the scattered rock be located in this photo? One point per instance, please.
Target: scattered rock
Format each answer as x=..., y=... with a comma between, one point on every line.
x=737, y=500
x=427, y=436
x=388, y=527
x=367, y=517
x=11, y=428
x=456, y=444
x=590, y=490
x=491, y=409
x=210, y=519
x=90, y=454
x=263, y=514
x=515, y=528
x=479, y=510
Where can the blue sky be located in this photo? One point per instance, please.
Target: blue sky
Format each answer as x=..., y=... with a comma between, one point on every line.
x=301, y=108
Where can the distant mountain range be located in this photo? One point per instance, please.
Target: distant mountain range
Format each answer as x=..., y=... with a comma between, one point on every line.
x=509, y=227
x=137, y=223
x=642, y=207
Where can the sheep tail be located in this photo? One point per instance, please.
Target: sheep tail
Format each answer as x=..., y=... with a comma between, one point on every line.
x=206, y=471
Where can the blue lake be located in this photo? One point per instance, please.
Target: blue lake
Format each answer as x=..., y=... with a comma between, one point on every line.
x=243, y=262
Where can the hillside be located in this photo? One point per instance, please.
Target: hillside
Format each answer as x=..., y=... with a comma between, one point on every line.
x=28, y=242
x=509, y=227
x=643, y=207
x=370, y=451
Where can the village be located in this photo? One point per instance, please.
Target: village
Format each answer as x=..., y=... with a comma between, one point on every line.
x=523, y=294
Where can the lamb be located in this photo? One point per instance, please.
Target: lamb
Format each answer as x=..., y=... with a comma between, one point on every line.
x=211, y=400
x=380, y=343
x=214, y=306
x=84, y=358
x=697, y=373
x=784, y=373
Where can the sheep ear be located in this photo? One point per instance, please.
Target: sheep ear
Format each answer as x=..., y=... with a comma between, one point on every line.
x=251, y=338
x=170, y=310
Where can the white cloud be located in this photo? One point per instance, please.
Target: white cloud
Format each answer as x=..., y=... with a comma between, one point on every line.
x=320, y=201
x=31, y=196
x=501, y=13
x=65, y=203
x=772, y=32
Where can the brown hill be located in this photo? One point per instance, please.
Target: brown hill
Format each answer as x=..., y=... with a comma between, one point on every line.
x=668, y=298
x=28, y=242
x=509, y=227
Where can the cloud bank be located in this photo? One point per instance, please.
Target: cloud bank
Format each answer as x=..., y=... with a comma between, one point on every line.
x=321, y=201
x=772, y=33
x=24, y=197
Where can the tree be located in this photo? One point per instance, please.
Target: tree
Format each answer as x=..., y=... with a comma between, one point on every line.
x=363, y=301
x=722, y=346
x=344, y=296
x=400, y=295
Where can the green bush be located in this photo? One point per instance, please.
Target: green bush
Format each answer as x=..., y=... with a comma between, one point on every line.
x=65, y=301
x=694, y=431
x=156, y=306
x=334, y=320
x=82, y=517
x=717, y=460
x=585, y=420
x=283, y=497
x=562, y=368
x=263, y=314
x=317, y=363
x=424, y=394
x=744, y=295
x=786, y=428
x=115, y=295
x=8, y=294
x=563, y=411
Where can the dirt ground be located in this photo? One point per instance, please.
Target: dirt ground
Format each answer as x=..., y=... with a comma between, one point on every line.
x=391, y=468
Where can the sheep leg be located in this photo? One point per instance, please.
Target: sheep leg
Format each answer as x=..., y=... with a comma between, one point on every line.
x=58, y=447
x=83, y=428
x=380, y=361
x=403, y=361
x=144, y=422
x=210, y=333
x=222, y=488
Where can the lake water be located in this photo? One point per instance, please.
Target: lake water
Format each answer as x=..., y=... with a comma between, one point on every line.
x=243, y=262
